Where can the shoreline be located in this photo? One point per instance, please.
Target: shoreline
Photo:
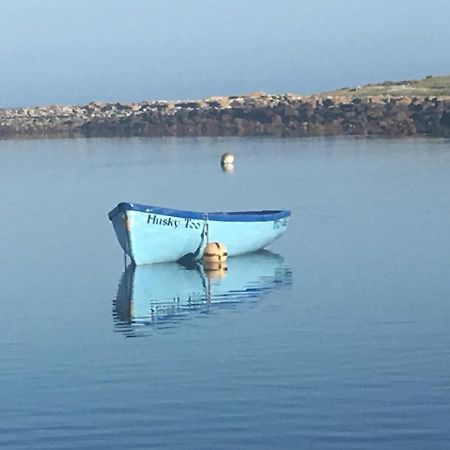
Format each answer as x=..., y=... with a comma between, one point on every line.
x=258, y=114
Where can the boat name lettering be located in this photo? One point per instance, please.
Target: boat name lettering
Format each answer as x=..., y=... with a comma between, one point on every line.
x=167, y=221
x=192, y=224
x=154, y=219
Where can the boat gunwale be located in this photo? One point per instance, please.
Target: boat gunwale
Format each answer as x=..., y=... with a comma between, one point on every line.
x=231, y=216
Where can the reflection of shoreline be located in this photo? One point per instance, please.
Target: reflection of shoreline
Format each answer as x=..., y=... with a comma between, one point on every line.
x=164, y=293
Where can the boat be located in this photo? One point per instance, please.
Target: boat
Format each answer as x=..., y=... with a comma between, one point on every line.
x=163, y=294
x=152, y=234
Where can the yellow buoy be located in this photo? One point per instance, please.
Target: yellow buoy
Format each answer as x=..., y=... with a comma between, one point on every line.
x=227, y=158
x=214, y=252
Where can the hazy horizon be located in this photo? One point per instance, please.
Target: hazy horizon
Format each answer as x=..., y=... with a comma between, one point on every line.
x=73, y=53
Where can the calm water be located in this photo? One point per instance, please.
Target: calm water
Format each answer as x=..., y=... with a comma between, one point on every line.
x=337, y=338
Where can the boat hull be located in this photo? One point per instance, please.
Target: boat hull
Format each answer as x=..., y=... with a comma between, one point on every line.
x=149, y=234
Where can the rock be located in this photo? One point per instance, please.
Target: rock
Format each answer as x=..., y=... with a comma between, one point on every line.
x=257, y=113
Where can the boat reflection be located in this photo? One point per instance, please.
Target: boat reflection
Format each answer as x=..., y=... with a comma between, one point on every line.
x=163, y=294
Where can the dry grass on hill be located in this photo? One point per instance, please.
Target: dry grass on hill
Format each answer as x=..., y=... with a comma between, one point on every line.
x=427, y=87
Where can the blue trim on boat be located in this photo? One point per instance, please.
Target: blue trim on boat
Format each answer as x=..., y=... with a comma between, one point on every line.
x=238, y=216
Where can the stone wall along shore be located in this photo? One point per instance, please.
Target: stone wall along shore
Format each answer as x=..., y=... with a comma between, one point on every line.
x=248, y=115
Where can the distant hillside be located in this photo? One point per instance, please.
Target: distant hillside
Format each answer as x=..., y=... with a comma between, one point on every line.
x=429, y=86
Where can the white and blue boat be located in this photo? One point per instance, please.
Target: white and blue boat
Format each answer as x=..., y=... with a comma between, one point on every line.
x=151, y=234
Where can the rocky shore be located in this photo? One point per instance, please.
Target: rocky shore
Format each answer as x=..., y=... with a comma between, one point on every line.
x=249, y=115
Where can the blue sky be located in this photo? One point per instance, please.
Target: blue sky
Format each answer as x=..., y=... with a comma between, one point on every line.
x=55, y=51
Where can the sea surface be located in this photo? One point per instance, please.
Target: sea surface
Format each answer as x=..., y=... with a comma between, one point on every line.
x=336, y=337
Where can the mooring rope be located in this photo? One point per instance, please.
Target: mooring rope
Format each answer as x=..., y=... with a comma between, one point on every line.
x=205, y=232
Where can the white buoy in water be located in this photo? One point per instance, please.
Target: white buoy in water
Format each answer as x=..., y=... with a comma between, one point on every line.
x=227, y=162
x=227, y=158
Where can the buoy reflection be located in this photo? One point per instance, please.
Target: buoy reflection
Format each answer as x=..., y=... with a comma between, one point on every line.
x=228, y=168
